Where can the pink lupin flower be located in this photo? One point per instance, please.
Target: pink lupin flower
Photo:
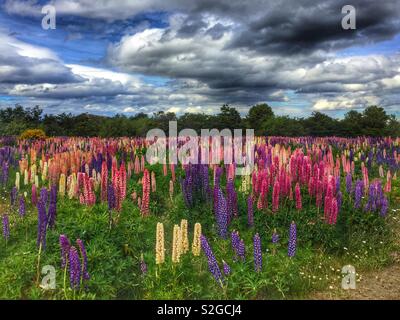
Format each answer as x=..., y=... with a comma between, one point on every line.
x=388, y=185
x=104, y=181
x=146, y=193
x=122, y=181
x=136, y=167
x=333, y=211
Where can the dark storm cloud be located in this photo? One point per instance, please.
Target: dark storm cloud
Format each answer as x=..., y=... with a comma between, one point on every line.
x=292, y=29
x=234, y=51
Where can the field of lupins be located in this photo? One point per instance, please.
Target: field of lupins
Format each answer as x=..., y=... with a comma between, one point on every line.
x=115, y=227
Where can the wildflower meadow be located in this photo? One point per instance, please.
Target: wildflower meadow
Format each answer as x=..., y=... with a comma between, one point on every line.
x=91, y=218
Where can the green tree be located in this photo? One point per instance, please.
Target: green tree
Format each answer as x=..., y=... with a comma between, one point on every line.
x=374, y=121
x=258, y=116
x=320, y=125
x=283, y=126
x=228, y=118
x=351, y=125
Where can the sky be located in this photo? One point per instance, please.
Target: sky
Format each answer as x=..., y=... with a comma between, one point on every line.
x=130, y=56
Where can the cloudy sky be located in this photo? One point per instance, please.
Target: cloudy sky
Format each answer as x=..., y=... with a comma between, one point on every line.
x=129, y=56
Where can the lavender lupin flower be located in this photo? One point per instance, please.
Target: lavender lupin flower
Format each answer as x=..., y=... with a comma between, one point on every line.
x=65, y=246
x=226, y=268
x=6, y=227
x=292, y=240
x=74, y=268
x=257, y=253
x=82, y=250
x=212, y=261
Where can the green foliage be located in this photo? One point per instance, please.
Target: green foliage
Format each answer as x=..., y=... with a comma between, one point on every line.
x=258, y=116
x=373, y=121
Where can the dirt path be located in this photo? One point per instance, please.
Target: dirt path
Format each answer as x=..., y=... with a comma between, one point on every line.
x=380, y=285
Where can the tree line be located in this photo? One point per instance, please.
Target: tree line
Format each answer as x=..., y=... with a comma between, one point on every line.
x=373, y=121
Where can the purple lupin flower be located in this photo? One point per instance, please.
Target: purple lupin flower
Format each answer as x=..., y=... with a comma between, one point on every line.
x=275, y=237
x=65, y=246
x=5, y=171
x=22, y=207
x=339, y=199
x=241, y=250
x=6, y=227
x=52, y=212
x=13, y=195
x=250, y=212
x=348, y=183
x=292, y=240
x=231, y=199
x=226, y=268
x=143, y=265
x=337, y=183
x=384, y=207
x=82, y=250
x=359, y=189
x=212, y=261
x=222, y=215
x=42, y=224
x=257, y=253
x=372, y=196
x=111, y=197
x=74, y=268
x=235, y=239
x=43, y=196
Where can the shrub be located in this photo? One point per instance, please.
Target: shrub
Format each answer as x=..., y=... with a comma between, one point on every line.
x=33, y=134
